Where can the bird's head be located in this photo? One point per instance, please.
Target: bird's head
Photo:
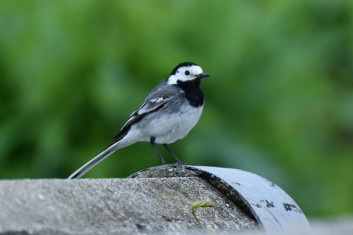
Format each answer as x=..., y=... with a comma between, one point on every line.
x=186, y=71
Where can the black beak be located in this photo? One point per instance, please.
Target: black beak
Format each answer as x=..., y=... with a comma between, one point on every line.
x=203, y=75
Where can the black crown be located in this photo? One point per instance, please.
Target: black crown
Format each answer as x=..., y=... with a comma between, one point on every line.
x=184, y=64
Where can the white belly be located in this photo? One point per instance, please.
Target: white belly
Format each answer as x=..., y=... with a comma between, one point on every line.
x=170, y=127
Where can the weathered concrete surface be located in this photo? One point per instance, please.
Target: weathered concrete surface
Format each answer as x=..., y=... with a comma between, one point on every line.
x=271, y=207
x=342, y=225
x=108, y=206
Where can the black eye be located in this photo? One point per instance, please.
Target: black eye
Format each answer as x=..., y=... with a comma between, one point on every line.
x=187, y=72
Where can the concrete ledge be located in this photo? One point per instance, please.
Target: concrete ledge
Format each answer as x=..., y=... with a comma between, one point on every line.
x=108, y=206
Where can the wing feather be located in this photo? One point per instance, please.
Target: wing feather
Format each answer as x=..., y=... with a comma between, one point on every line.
x=147, y=107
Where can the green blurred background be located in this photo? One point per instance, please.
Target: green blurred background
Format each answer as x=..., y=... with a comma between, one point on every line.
x=279, y=102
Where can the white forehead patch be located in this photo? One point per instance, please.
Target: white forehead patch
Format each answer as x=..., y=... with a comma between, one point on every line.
x=186, y=73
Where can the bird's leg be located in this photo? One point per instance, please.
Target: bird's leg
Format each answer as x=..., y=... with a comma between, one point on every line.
x=152, y=139
x=173, y=154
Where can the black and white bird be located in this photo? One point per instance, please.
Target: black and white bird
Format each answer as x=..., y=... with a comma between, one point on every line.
x=166, y=115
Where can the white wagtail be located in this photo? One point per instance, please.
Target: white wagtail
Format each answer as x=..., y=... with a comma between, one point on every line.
x=167, y=114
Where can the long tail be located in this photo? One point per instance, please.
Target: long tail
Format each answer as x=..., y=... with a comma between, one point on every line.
x=94, y=161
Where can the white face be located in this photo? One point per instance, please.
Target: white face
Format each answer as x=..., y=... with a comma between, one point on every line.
x=186, y=73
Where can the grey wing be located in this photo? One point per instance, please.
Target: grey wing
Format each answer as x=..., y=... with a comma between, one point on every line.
x=149, y=106
x=152, y=103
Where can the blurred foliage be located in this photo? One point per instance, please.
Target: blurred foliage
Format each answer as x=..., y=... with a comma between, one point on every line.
x=279, y=102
